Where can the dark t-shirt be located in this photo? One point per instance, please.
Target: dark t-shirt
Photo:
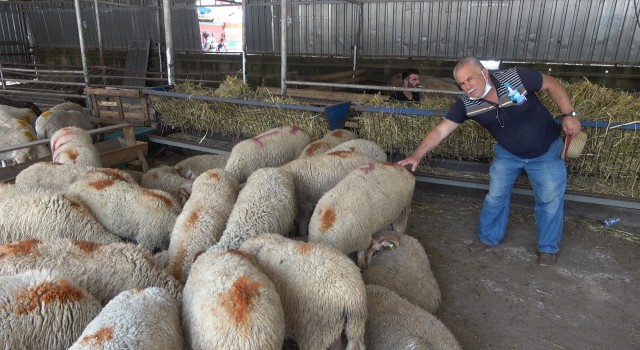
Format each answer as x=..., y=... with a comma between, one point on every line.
x=526, y=130
x=400, y=96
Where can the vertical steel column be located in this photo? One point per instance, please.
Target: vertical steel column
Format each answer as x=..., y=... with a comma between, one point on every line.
x=244, y=41
x=358, y=33
x=100, y=48
x=168, y=37
x=83, y=54
x=283, y=47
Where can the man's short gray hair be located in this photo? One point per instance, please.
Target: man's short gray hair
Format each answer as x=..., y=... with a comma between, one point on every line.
x=471, y=61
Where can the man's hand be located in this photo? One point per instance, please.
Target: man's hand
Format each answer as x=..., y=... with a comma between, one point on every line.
x=410, y=160
x=571, y=126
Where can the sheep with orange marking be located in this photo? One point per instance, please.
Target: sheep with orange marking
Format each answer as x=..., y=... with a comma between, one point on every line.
x=370, y=199
x=328, y=141
x=73, y=145
x=399, y=262
x=269, y=149
x=313, y=176
x=7, y=113
x=13, y=132
x=201, y=163
x=55, y=119
x=202, y=220
x=395, y=323
x=54, y=177
x=129, y=211
x=148, y=318
x=25, y=215
x=103, y=270
x=229, y=303
x=321, y=290
x=362, y=146
x=42, y=310
x=266, y=203
x=165, y=178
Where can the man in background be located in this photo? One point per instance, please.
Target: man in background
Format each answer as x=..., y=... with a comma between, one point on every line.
x=410, y=79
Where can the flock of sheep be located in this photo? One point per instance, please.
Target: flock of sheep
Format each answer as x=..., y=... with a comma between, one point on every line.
x=285, y=237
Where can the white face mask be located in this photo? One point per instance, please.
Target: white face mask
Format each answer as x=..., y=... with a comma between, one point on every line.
x=487, y=88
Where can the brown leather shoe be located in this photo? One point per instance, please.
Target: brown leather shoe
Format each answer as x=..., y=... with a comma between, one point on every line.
x=478, y=246
x=547, y=259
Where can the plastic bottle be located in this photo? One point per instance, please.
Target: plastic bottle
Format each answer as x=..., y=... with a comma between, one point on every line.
x=610, y=221
x=515, y=95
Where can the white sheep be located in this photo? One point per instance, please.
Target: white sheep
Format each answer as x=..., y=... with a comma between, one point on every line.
x=26, y=215
x=321, y=290
x=73, y=145
x=266, y=203
x=369, y=199
x=103, y=270
x=53, y=120
x=229, y=303
x=201, y=163
x=269, y=149
x=395, y=323
x=42, y=310
x=16, y=132
x=164, y=177
x=54, y=177
x=314, y=176
x=129, y=211
x=67, y=106
x=8, y=114
x=138, y=318
x=363, y=146
x=400, y=264
x=202, y=220
x=328, y=141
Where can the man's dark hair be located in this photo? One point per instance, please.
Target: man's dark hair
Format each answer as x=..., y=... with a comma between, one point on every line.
x=408, y=72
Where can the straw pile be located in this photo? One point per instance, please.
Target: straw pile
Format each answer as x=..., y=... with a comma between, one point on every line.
x=238, y=120
x=610, y=163
x=397, y=133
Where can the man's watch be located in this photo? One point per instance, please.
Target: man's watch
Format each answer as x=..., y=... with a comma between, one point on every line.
x=570, y=114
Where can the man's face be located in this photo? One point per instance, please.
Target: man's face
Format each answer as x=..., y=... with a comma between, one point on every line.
x=413, y=80
x=471, y=80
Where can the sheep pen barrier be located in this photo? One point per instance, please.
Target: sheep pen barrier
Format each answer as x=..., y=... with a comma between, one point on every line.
x=608, y=168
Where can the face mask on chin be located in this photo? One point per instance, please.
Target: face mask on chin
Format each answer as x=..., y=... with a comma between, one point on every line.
x=487, y=88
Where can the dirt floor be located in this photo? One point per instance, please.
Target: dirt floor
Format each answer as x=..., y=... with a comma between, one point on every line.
x=501, y=298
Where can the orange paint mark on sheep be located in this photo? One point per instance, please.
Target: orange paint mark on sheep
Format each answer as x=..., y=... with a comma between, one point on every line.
x=155, y=175
x=258, y=139
x=23, y=124
x=193, y=217
x=101, y=184
x=237, y=302
x=72, y=154
x=368, y=168
x=214, y=175
x=113, y=174
x=176, y=264
x=58, y=291
x=87, y=246
x=46, y=114
x=166, y=201
x=327, y=219
x=341, y=154
x=99, y=337
x=54, y=163
x=243, y=255
x=337, y=133
x=21, y=248
x=304, y=248
x=28, y=135
x=314, y=147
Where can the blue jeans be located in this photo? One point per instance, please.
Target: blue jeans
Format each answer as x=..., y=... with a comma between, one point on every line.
x=548, y=177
